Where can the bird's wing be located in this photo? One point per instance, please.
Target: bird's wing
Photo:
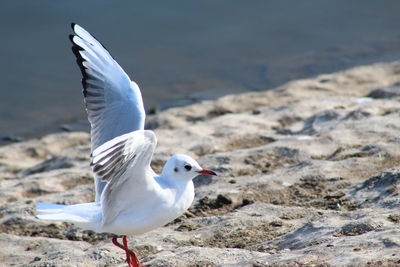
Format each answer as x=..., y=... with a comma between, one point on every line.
x=124, y=163
x=113, y=102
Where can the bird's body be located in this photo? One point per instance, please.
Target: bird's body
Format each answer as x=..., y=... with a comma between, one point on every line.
x=130, y=197
x=135, y=200
x=165, y=201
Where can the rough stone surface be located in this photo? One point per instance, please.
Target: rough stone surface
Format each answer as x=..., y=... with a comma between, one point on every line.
x=309, y=176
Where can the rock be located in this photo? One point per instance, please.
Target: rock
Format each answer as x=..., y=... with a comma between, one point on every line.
x=353, y=229
x=316, y=121
x=308, y=176
x=47, y=165
x=382, y=190
x=385, y=92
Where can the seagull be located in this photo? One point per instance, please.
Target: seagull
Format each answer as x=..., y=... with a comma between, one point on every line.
x=131, y=199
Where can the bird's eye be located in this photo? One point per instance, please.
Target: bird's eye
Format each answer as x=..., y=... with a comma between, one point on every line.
x=188, y=167
x=175, y=169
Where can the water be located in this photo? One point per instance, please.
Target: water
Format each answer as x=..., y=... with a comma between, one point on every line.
x=180, y=51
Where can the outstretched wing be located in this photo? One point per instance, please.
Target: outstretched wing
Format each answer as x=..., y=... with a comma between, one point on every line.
x=124, y=163
x=113, y=102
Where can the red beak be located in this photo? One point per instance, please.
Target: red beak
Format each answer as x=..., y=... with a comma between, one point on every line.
x=207, y=172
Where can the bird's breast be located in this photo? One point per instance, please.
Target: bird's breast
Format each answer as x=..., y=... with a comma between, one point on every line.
x=154, y=212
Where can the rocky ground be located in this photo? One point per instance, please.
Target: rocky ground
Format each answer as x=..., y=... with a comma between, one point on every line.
x=309, y=176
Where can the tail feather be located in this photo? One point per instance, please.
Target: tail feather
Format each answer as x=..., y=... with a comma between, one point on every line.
x=62, y=217
x=49, y=208
x=86, y=214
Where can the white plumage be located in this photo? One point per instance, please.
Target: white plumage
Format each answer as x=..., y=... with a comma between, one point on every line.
x=130, y=197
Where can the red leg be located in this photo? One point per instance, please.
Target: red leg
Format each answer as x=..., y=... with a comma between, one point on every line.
x=131, y=257
x=128, y=256
x=115, y=242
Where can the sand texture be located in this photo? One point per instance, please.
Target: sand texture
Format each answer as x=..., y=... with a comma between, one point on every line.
x=309, y=176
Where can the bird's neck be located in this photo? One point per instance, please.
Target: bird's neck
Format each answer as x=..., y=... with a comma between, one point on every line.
x=172, y=181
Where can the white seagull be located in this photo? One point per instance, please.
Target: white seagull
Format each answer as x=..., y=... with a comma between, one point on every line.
x=130, y=197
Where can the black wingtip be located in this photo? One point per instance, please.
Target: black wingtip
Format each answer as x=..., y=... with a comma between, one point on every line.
x=71, y=37
x=79, y=60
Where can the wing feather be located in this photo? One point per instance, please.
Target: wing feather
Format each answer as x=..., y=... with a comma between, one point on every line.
x=121, y=162
x=109, y=93
x=113, y=102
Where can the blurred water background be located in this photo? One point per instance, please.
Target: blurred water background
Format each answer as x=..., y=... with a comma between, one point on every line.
x=180, y=52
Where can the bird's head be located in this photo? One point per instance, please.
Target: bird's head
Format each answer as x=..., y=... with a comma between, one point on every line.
x=184, y=167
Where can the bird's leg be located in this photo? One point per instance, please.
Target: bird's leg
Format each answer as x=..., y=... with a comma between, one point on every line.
x=115, y=242
x=131, y=257
x=128, y=256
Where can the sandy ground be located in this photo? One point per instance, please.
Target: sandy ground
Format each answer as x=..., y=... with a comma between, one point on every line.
x=309, y=176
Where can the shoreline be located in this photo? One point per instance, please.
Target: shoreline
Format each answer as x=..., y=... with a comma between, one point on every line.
x=81, y=123
x=263, y=51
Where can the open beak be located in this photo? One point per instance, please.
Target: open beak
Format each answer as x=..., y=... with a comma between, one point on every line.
x=207, y=172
